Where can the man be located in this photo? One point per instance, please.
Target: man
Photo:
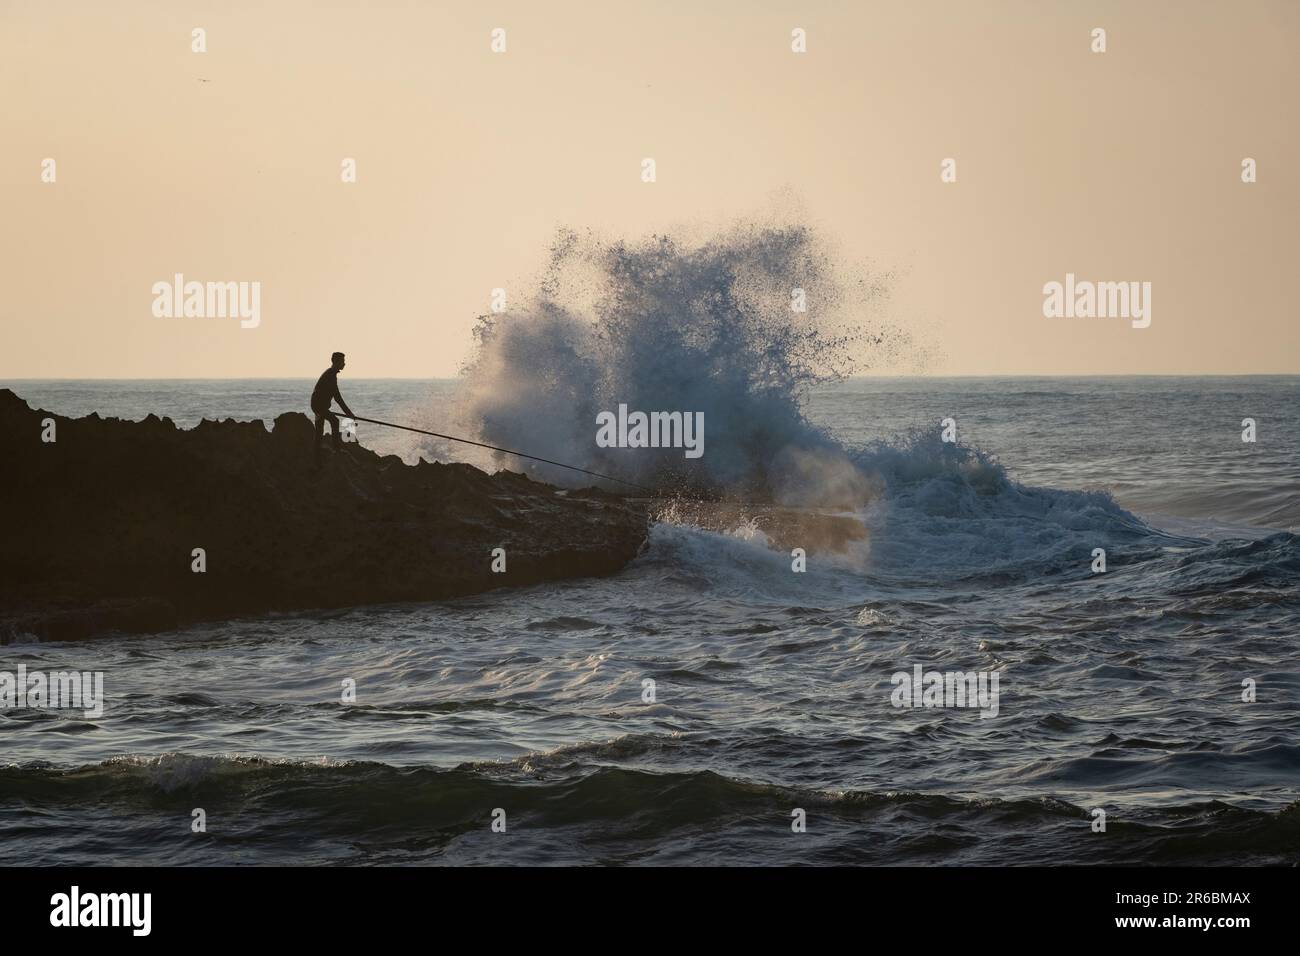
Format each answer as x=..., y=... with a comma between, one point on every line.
x=325, y=392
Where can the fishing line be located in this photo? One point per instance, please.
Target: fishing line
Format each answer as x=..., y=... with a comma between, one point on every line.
x=508, y=451
x=654, y=494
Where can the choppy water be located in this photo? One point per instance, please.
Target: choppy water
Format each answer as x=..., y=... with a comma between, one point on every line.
x=1120, y=691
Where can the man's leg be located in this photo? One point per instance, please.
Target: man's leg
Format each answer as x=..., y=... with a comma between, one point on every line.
x=334, y=430
x=320, y=432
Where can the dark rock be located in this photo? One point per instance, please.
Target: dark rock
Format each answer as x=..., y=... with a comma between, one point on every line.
x=101, y=524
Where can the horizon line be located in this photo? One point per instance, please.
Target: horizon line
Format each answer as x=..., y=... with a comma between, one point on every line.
x=452, y=378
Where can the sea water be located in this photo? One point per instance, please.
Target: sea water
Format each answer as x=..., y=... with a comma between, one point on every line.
x=1121, y=691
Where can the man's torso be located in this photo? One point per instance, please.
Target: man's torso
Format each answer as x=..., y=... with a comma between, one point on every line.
x=323, y=393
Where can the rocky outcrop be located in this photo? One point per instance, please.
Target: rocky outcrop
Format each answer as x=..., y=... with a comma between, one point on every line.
x=102, y=523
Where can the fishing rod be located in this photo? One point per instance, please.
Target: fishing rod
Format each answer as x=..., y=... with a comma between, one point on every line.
x=508, y=451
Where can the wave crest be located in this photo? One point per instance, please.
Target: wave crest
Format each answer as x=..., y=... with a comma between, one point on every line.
x=665, y=324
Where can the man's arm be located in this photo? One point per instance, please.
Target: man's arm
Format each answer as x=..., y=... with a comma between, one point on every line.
x=339, y=398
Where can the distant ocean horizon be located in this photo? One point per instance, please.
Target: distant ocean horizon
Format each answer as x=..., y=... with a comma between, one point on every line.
x=857, y=410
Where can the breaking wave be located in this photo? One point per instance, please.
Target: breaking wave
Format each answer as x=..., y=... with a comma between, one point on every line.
x=667, y=324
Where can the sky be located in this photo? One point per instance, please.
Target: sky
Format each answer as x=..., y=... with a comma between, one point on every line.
x=226, y=165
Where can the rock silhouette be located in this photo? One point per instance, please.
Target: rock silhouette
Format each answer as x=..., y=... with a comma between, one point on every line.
x=102, y=523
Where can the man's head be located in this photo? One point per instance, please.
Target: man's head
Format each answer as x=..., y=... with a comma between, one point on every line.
x=338, y=360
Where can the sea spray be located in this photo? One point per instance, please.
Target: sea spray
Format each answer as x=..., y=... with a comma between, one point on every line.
x=706, y=327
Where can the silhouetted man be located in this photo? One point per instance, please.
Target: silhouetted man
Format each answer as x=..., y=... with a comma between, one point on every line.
x=325, y=392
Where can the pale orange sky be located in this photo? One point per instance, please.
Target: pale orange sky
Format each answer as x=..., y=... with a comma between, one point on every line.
x=1116, y=166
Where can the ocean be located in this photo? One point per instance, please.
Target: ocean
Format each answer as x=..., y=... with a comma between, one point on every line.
x=708, y=704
